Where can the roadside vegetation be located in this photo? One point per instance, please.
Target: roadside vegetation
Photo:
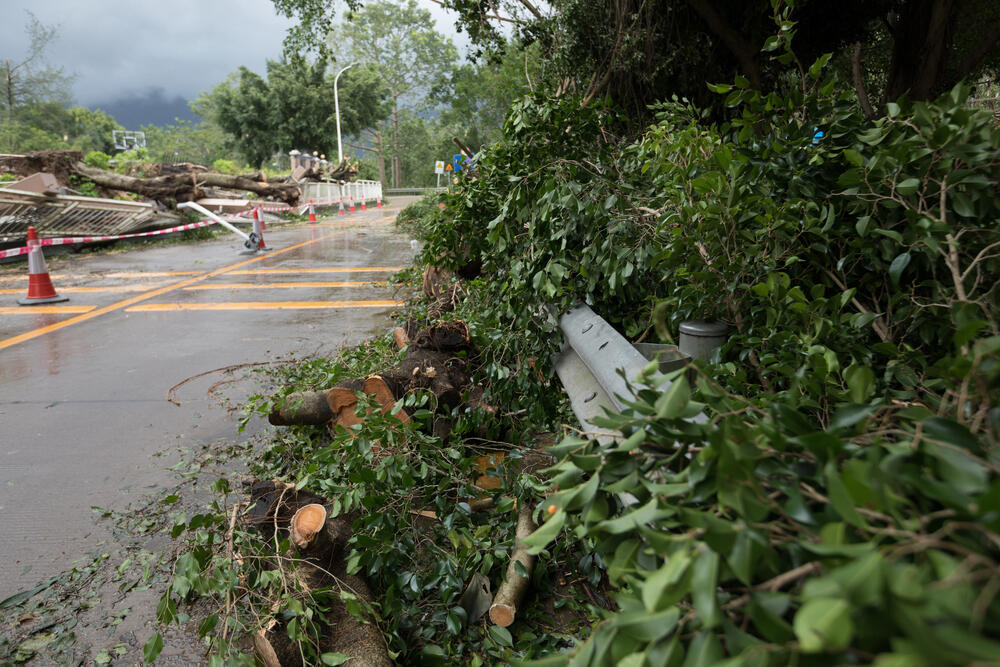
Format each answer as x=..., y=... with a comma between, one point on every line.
x=839, y=505
x=841, y=502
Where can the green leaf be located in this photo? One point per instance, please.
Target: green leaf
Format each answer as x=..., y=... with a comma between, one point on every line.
x=646, y=627
x=824, y=624
x=635, y=519
x=705, y=650
x=657, y=584
x=860, y=382
x=18, y=598
x=501, y=635
x=896, y=268
x=152, y=648
x=545, y=533
x=908, y=186
x=334, y=658
x=839, y=497
x=704, y=580
x=848, y=416
x=672, y=402
x=854, y=157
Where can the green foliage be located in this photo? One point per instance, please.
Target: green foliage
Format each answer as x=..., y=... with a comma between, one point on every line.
x=92, y=130
x=201, y=143
x=224, y=166
x=383, y=473
x=839, y=504
x=97, y=159
x=292, y=108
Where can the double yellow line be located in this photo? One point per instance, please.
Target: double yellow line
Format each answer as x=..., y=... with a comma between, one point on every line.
x=90, y=312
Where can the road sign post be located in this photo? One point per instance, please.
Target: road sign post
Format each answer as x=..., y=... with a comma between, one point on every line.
x=438, y=170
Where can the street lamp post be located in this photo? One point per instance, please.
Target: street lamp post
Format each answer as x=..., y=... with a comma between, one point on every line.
x=336, y=108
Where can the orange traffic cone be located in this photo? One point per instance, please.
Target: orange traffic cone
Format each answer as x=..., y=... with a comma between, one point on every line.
x=351, y=209
x=260, y=213
x=40, y=289
x=312, y=212
x=258, y=224
x=364, y=200
x=341, y=210
x=378, y=199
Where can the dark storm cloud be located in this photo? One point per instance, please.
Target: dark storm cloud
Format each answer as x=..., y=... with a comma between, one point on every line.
x=130, y=55
x=120, y=50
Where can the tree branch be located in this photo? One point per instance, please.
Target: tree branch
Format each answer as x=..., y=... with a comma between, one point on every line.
x=531, y=8
x=859, y=84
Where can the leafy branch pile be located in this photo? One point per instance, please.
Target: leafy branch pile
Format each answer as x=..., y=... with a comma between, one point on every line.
x=842, y=504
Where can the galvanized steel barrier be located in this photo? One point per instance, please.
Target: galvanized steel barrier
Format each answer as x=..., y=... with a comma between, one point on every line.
x=597, y=363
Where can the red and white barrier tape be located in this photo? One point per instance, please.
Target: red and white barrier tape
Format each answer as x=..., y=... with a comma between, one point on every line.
x=70, y=240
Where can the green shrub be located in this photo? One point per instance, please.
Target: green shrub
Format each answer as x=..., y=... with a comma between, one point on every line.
x=225, y=166
x=842, y=503
x=97, y=159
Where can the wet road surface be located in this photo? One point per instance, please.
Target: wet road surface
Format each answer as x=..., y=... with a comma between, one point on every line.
x=83, y=384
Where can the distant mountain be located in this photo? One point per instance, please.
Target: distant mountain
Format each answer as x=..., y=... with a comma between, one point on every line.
x=152, y=107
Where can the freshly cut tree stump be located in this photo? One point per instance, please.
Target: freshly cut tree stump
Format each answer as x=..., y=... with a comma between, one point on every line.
x=308, y=522
x=319, y=564
x=511, y=592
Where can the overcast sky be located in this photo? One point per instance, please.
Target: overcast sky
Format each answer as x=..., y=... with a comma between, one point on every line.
x=122, y=49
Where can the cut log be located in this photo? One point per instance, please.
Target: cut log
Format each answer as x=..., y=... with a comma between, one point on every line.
x=511, y=592
x=435, y=360
x=308, y=522
x=436, y=282
x=377, y=387
x=303, y=408
x=402, y=340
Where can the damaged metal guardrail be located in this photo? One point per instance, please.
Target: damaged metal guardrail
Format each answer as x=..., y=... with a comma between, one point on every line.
x=597, y=362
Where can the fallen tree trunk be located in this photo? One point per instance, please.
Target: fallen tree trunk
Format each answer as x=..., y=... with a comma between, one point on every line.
x=180, y=183
x=435, y=360
x=187, y=186
x=512, y=590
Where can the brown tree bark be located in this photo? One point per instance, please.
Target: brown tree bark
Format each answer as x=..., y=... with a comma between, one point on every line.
x=302, y=408
x=186, y=187
x=177, y=185
x=921, y=32
x=744, y=52
x=511, y=592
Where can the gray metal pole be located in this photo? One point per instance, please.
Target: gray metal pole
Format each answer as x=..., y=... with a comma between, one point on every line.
x=336, y=109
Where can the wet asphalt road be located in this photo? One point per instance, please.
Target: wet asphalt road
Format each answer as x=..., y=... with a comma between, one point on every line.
x=83, y=384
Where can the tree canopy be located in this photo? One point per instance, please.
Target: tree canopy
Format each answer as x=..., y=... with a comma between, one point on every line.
x=293, y=107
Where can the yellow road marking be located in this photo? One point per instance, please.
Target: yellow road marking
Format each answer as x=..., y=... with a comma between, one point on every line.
x=133, y=274
x=345, y=269
x=47, y=310
x=260, y=305
x=90, y=290
x=221, y=286
x=125, y=303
